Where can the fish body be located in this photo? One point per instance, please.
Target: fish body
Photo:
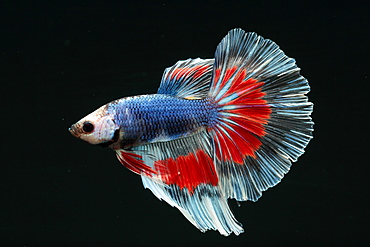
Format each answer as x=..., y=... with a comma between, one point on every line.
x=228, y=127
x=157, y=117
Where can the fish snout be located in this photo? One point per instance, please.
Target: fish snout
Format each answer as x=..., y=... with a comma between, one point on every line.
x=74, y=130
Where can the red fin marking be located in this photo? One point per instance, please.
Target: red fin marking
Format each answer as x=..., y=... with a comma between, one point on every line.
x=217, y=75
x=134, y=163
x=188, y=171
x=248, y=86
x=250, y=112
x=244, y=140
x=238, y=82
x=201, y=70
x=250, y=124
x=256, y=114
x=194, y=72
x=228, y=74
x=179, y=73
x=222, y=142
x=229, y=147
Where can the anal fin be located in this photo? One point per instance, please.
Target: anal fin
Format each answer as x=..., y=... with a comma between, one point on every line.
x=186, y=178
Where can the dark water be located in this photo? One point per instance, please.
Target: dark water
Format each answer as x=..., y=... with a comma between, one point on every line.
x=59, y=61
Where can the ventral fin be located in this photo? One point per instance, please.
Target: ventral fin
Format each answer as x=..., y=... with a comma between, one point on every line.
x=189, y=79
x=134, y=162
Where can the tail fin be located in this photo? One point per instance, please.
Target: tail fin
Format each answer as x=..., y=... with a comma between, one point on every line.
x=263, y=120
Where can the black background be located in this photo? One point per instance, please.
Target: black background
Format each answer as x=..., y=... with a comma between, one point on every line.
x=61, y=60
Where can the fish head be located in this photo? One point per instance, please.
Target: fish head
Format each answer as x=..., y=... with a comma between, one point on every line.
x=97, y=128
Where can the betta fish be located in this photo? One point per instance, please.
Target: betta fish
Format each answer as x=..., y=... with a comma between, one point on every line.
x=227, y=127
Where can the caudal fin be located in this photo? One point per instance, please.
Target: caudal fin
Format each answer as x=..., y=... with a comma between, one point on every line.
x=264, y=120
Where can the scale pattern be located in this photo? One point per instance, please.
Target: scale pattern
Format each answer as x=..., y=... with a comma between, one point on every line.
x=158, y=117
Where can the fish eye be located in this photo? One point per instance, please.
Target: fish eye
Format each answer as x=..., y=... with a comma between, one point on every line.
x=88, y=127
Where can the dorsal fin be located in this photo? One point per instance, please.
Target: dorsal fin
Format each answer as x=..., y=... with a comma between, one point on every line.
x=188, y=79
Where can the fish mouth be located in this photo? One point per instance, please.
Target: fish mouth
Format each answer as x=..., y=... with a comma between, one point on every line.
x=73, y=130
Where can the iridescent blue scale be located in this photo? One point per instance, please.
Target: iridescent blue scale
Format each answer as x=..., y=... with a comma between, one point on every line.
x=159, y=117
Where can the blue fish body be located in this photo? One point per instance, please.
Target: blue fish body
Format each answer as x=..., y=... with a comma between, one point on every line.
x=158, y=117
